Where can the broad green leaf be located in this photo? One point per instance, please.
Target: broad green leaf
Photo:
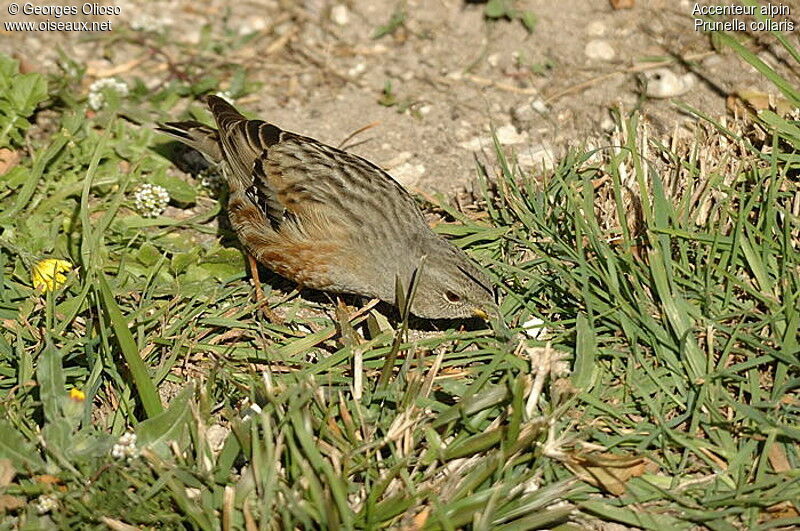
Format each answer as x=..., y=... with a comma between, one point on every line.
x=585, y=353
x=21, y=452
x=28, y=91
x=148, y=254
x=50, y=377
x=179, y=191
x=529, y=20
x=141, y=378
x=496, y=8
x=170, y=425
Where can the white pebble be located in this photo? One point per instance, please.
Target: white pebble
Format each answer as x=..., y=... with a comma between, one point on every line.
x=397, y=160
x=216, y=435
x=408, y=174
x=357, y=69
x=507, y=134
x=476, y=143
x=664, y=83
x=340, y=14
x=536, y=157
x=596, y=28
x=600, y=50
x=523, y=114
x=534, y=328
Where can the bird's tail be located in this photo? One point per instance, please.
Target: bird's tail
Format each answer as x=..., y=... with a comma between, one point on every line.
x=224, y=113
x=194, y=134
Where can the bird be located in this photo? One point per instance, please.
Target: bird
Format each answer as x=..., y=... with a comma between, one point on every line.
x=331, y=220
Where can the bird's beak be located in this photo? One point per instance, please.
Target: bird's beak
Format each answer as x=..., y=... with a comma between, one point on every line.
x=477, y=312
x=495, y=319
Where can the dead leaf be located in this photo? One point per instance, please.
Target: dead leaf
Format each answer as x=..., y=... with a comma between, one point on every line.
x=47, y=479
x=118, y=525
x=789, y=400
x=8, y=159
x=747, y=102
x=608, y=471
x=11, y=503
x=7, y=472
x=421, y=518
x=714, y=457
x=98, y=69
x=777, y=458
x=784, y=509
x=622, y=4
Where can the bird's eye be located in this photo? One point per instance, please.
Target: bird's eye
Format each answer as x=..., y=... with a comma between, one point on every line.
x=452, y=297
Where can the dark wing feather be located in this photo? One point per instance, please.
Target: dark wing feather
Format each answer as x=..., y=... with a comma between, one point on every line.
x=286, y=174
x=264, y=195
x=245, y=144
x=196, y=135
x=243, y=140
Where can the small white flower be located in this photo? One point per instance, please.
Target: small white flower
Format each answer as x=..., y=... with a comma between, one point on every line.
x=211, y=180
x=150, y=200
x=126, y=447
x=46, y=503
x=69, y=68
x=97, y=99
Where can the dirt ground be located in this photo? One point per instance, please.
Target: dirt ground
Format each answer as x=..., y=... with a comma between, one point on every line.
x=453, y=74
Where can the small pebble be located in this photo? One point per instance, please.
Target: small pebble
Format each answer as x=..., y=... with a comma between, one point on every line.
x=507, y=134
x=216, y=435
x=600, y=50
x=397, y=160
x=596, y=28
x=340, y=14
x=357, y=69
x=664, y=83
x=475, y=144
x=408, y=174
x=536, y=157
x=524, y=116
x=534, y=328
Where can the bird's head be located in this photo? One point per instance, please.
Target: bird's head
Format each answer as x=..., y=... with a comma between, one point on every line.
x=450, y=286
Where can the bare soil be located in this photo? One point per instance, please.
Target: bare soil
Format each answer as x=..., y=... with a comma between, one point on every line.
x=454, y=75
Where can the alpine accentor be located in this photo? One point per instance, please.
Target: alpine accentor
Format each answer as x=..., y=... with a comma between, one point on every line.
x=330, y=220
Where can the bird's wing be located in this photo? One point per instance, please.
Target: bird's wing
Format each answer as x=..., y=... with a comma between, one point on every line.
x=244, y=144
x=292, y=176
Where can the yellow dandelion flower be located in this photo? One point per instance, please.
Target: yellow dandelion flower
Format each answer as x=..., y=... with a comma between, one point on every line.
x=48, y=275
x=77, y=395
